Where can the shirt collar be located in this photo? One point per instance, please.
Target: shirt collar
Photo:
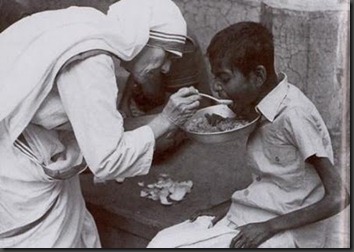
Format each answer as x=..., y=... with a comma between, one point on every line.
x=269, y=106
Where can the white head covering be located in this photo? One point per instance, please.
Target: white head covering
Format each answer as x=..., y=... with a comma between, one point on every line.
x=167, y=27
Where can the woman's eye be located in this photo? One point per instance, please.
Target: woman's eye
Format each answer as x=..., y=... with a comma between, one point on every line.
x=224, y=80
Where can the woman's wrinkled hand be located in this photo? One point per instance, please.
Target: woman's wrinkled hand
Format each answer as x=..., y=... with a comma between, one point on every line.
x=181, y=106
x=252, y=235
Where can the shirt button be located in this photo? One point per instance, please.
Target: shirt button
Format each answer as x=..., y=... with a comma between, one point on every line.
x=246, y=192
x=258, y=178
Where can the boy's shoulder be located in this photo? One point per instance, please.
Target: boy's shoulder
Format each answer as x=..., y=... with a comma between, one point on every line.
x=296, y=104
x=296, y=98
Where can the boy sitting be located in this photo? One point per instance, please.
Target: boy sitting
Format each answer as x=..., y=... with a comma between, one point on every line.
x=295, y=184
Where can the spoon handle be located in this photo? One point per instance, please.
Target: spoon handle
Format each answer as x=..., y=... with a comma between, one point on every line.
x=209, y=96
x=220, y=101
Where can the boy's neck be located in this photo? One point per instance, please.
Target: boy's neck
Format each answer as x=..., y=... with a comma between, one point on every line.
x=269, y=85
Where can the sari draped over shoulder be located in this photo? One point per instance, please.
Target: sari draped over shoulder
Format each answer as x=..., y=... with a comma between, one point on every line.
x=36, y=210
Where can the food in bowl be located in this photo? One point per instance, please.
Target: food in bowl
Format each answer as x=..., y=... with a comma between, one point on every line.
x=204, y=133
x=208, y=123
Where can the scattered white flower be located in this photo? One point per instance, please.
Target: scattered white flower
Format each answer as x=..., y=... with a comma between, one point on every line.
x=166, y=189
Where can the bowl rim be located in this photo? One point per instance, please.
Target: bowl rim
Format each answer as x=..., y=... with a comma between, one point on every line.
x=225, y=131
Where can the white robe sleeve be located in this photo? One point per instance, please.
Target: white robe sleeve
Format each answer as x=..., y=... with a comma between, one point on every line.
x=88, y=91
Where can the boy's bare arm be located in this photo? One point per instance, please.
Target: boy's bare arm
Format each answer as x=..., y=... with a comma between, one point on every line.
x=336, y=198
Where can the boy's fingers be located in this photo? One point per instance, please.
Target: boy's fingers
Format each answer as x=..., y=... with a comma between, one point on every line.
x=235, y=241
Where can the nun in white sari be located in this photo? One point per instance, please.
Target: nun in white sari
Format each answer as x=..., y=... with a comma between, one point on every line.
x=58, y=108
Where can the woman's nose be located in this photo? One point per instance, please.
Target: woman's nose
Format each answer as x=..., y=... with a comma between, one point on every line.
x=165, y=68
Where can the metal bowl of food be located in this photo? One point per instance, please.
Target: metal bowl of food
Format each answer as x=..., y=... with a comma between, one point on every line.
x=227, y=127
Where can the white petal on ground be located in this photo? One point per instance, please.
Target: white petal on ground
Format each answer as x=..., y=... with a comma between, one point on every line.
x=163, y=197
x=180, y=190
x=165, y=188
x=143, y=194
x=164, y=201
x=153, y=195
x=178, y=194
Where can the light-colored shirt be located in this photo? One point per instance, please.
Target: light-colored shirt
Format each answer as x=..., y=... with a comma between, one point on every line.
x=290, y=130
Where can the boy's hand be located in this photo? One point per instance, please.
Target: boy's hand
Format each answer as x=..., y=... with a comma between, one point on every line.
x=252, y=235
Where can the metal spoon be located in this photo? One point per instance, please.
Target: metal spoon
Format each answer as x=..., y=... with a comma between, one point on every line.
x=220, y=101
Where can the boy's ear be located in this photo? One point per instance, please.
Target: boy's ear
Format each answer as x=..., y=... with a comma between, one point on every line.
x=261, y=75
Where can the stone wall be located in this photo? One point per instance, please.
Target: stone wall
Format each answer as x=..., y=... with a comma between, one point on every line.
x=206, y=17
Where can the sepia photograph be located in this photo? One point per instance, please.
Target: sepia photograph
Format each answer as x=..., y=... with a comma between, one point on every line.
x=175, y=124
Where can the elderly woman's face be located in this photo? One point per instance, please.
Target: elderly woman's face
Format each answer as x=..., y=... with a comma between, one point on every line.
x=146, y=68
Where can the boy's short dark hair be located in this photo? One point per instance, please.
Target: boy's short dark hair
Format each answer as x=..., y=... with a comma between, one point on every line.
x=244, y=46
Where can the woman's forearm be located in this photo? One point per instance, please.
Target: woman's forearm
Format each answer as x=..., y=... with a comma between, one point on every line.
x=160, y=125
